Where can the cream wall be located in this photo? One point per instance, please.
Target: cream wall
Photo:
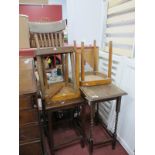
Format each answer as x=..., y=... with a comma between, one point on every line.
x=85, y=20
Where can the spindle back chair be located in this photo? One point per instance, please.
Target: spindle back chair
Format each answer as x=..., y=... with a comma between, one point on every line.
x=47, y=34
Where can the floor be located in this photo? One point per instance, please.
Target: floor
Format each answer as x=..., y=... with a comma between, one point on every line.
x=75, y=149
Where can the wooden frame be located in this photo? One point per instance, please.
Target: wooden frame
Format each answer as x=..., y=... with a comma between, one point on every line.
x=62, y=90
x=94, y=77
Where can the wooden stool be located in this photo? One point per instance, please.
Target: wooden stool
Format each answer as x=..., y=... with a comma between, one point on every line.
x=90, y=55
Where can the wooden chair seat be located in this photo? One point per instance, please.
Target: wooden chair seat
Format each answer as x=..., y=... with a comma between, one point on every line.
x=95, y=78
x=61, y=91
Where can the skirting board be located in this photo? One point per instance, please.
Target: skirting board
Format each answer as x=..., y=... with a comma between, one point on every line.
x=125, y=145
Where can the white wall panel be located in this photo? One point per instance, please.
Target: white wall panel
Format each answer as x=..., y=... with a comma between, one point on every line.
x=126, y=123
x=85, y=20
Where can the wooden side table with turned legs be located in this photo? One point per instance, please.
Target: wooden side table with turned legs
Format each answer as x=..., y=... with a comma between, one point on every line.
x=96, y=95
x=52, y=107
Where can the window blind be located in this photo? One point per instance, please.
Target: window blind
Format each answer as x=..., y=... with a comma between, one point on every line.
x=120, y=30
x=120, y=27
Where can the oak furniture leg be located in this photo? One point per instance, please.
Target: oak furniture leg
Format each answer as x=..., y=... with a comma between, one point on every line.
x=90, y=146
x=83, y=120
x=118, y=105
x=66, y=68
x=92, y=108
x=82, y=141
x=97, y=114
x=82, y=62
x=50, y=136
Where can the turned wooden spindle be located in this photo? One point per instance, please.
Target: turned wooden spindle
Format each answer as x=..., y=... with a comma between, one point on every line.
x=110, y=60
x=82, y=62
x=76, y=65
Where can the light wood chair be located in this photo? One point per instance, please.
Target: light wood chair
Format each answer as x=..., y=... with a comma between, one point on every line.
x=49, y=39
x=91, y=54
x=59, y=96
x=62, y=90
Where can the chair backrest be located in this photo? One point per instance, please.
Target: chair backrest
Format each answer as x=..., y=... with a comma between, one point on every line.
x=47, y=34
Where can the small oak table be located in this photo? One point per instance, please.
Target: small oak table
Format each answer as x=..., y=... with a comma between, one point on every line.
x=97, y=94
x=64, y=105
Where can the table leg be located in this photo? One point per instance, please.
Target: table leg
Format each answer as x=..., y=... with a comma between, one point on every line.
x=90, y=146
x=83, y=121
x=41, y=124
x=97, y=114
x=118, y=105
x=92, y=109
x=50, y=132
x=44, y=118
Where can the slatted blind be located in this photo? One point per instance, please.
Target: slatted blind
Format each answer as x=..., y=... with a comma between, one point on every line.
x=120, y=27
x=120, y=30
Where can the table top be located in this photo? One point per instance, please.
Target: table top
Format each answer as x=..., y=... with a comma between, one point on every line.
x=27, y=82
x=64, y=104
x=102, y=92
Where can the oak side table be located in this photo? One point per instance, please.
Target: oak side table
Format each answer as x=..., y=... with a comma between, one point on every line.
x=64, y=105
x=95, y=95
